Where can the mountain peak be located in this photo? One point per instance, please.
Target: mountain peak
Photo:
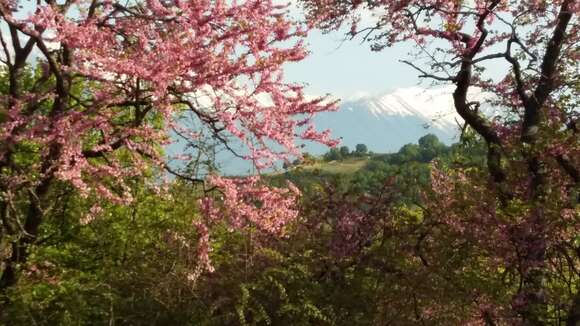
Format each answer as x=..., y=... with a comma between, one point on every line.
x=391, y=119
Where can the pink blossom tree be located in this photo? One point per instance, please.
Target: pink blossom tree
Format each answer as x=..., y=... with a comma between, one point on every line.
x=95, y=88
x=526, y=54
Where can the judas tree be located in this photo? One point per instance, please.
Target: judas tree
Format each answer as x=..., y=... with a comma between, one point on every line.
x=524, y=54
x=96, y=89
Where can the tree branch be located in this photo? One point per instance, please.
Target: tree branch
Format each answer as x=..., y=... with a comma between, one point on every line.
x=425, y=74
x=532, y=114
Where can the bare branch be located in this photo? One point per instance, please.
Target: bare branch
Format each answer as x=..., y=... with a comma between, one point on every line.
x=425, y=74
x=520, y=88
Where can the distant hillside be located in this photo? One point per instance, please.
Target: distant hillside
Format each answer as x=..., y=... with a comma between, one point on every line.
x=347, y=166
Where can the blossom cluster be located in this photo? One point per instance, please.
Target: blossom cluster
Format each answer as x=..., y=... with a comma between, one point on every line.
x=114, y=78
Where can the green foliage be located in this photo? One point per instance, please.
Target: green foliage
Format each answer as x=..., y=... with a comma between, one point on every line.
x=344, y=151
x=361, y=149
x=137, y=264
x=117, y=268
x=124, y=267
x=409, y=167
x=333, y=154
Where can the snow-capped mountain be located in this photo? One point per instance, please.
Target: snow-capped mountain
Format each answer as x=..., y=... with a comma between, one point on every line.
x=384, y=122
x=390, y=120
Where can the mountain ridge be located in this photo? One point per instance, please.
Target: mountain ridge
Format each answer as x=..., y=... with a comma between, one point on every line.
x=383, y=122
x=389, y=120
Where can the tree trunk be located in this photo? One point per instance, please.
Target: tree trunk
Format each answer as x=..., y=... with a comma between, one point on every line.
x=20, y=246
x=533, y=244
x=574, y=312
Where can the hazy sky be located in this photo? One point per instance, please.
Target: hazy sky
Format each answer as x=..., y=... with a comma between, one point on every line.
x=349, y=68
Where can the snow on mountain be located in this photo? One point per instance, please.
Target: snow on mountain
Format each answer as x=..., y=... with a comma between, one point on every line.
x=390, y=120
x=383, y=122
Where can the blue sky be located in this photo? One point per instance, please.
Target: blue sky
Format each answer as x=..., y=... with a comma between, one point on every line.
x=348, y=68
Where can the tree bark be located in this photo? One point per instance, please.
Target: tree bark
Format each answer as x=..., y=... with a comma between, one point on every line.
x=532, y=237
x=20, y=252
x=574, y=312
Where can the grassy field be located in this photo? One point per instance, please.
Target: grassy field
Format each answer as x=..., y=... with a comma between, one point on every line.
x=337, y=167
